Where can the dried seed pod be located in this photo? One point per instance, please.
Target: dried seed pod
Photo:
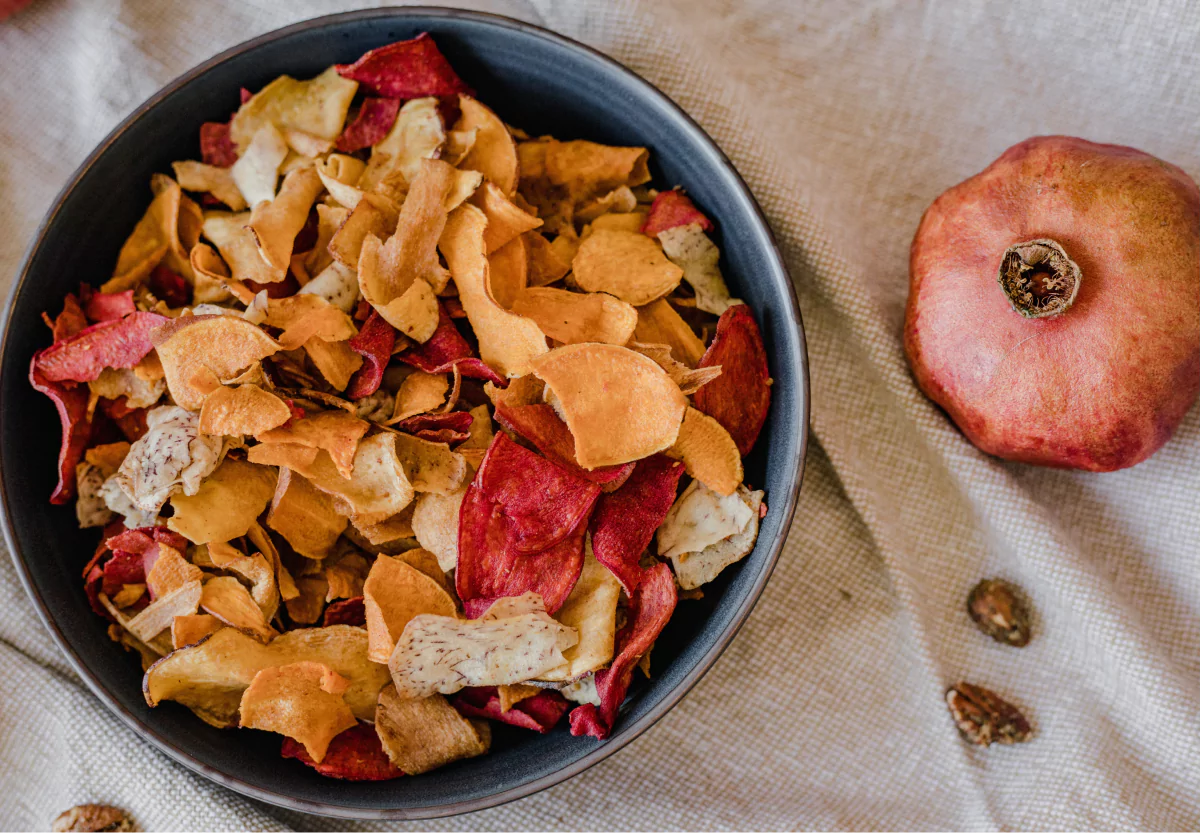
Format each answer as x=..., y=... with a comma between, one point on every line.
x=999, y=609
x=984, y=718
x=94, y=817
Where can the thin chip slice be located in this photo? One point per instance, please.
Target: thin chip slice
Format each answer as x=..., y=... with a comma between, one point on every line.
x=238, y=249
x=209, y=179
x=696, y=568
x=245, y=409
x=377, y=488
x=302, y=700
x=659, y=323
x=371, y=124
x=436, y=525
x=592, y=610
x=165, y=234
x=336, y=432
x=284, y=455
x=708, y=452
x=508, y=272
x=574, y=317
x=336, y=284
x=419, y=393
x=317, y=107
x=305, y=516
x=690, y=381
x=430, y=466
x=671, y=209
x=372, y=215
x=540, y=712
x=424, y=734
x=393, y=594
x=336, y=361
x=157, y=617
x=83, y=357
x=276, y=224
x=626, y=264
x=254, y=568
x=508, y=342
x=354, y=755
x=416, y=134
x=619, y=405
x=307, y=316
x=191, y=628
x=222, y=344
x=226, y=598
x=740, y=397
x=545, y=265
x=405, y=69
x=701, y=517
x=586, y=169
x=691, y=249
x=445, y=351
x=539, y=424
x=257, y=170
x=506, y=220
x=228, y=501
x=329, y=218
x=170, y=572
x=494, y=153
x=441, y=654
x=620, y=202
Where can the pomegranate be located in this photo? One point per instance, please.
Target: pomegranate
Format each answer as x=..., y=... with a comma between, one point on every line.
x=1053, y=304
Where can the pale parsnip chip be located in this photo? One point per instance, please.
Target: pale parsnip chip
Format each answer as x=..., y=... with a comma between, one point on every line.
x=304, y=515
x=626, y=264
x=345, y=574
x=506, y=220
x=393, y=594
x=430, y=466
x=336, y=284
x=226, y=504
x=696, y=568
x=441, y=654
x=494, y=153
x=221, y=344
x=690, y=381
x=139, y=392
x=226, y=598
x=387, y=532
x=374, y=215
x=659, y=323
x=329, y=218
x=421, y=735
x=276, y=224
x=619, y=405
x=419, y=393
x=416, y=134
x=306, y=316
x=229, y=234
x=317, y=106
x=245, y=409
x=592, y=610
x=209, y=179
x=691, y=249
x=304, y=145
x=254, y=568
x=708, y=452
x=191, y=628
x=128, y=594
x=508, y=272
x=339, y=174
x=301, y=700
x=507, y=342
x=157, y=617
x=334, y=360
x=377, y=488
x=544, y=264
x=436, y=525
x=574, y=317
x=458, y=144
x=170, y=572
x=700, y=517
x=257, y=170
x=337, y=432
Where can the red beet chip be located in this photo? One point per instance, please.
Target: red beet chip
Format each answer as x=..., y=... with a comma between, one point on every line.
x=169, y=287
x=216, y=147
x=739, y=397
x=374, y=342
x=439, y=428
x=130, y=421
x=540, y=713
x=541, y=426
x=671, y=209
x=346, y=612
x=447, y=348
x=353, y=755
x=650, y=608
x=376, y=117
x=106, y=306
x=92, y=582
x=122, y=568
x=68, y=322
x=72, y=406
x=626, y=520
x=543, y=501
x=81, y=358
x=407, y=69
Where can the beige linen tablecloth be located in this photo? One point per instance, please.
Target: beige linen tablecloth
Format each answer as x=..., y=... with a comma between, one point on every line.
x=847, y=119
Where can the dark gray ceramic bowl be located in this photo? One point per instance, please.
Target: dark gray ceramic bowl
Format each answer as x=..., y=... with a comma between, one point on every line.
x=539, y=81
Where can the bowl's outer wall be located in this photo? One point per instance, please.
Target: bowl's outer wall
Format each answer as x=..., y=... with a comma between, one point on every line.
x=535, y=82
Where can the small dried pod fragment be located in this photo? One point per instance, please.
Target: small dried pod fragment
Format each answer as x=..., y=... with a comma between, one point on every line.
x=984, y=718
x=96, y=818
x=999, y=610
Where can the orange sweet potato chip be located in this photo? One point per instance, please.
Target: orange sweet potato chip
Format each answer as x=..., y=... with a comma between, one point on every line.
x=238, y=249
x=255, y=569
x=708, y=452
x=336, y=361
x=337, y=432
x=573, y=317
x=372, y=215
x=545, y=265
x=626, y=264
x=226, y=598
x=165, y=234
x=223, y=344
x=587, y=168
x=285, y=455
x=306, y=316
x=226, y=504
x=619, y=405
x=393, y=594
x=302, y=700
x=304, y=515
x=190, y=629
x=275, y=224
x=170, y=572
x=508, y=272
x=494, y=154
x=419, y=393
x=659, y=323
x=245, y=409
x=506, y=220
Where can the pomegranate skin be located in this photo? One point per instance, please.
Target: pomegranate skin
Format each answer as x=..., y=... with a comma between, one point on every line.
x=1102, y=385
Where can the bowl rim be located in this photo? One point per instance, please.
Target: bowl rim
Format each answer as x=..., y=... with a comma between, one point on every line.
x=630, y=731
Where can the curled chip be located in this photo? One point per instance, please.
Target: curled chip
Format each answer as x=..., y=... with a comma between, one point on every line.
x=209, y=179
x=393, y=594
x=373, y=214
x=494, y=154
x=335, y=360
x=105, y=306
x=336, y=432
x=209, y=677
x=446, y=350
x=659, y=323
x=72, y=407
x=226, y=504
x=417, y=133
x=276, y=224
x=216, y=346
x=374, y=343
x=245, y=409
x=307, y=316
x=256, y=171
x=671, y=209
x=430, y=467
x=165, y=234
x=305, y=516
x=406, y=69
x=353, y=755
x=708, y=452
x=592, y=610
x=626, y=264
x=699, y=518
x=239, y=252
x=690, y=248
x=454, y=427
x=226, y=598
x=696, y=568
x=739, y=398
x=619, y=405
x=540, y=425
x=540, y=713
x=117, y=343
x=442, y=654
x=372, y=123
x=506, y=220
x=545, y=265
x=507, y=341
x=419, y=393
x=253, y=568
x=190, y=629
x=650, y=607
x=302, y=700
x=690, y=381
x=317, y=107
x=420, y=735
x=625, y=520
x=574, y=317
x=507, y=272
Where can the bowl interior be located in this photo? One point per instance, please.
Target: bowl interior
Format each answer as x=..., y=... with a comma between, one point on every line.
x=538, y=82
